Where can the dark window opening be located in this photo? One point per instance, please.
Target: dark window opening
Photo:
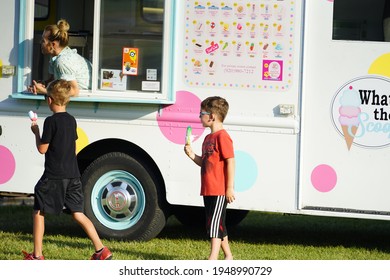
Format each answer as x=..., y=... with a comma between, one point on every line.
x=361, y=20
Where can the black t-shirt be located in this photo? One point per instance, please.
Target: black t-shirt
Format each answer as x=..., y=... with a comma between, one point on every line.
x=59, y=130
x=386, y=9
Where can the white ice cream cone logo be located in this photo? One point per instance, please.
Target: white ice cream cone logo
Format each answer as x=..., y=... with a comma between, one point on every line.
x=349, y=114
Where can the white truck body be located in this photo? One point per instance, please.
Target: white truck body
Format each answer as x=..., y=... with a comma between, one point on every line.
x=283, y=66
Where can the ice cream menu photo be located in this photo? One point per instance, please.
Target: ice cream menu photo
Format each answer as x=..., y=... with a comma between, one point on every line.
x=235, y=44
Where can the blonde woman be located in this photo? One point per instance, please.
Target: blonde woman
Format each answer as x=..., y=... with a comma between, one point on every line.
x=65, y=63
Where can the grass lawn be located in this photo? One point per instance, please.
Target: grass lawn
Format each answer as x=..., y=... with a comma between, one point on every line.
x=261, y=236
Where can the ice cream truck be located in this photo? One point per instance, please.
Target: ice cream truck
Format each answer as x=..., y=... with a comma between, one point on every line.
x=308, y=83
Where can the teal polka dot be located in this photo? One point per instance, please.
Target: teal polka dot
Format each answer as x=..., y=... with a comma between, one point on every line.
x=246, y=171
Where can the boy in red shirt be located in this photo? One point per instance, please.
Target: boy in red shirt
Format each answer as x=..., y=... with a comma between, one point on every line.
x=217, y=173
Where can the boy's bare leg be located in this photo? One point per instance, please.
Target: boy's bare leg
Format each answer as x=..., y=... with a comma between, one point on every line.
x=89, y=229
x=226, y=248
x=215, y=247
x=38, y=232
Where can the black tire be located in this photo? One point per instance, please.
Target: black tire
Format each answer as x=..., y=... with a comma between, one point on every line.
x=122, y=199
x=195, y=216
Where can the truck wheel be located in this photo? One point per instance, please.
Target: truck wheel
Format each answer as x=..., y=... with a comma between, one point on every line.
x=122, y=199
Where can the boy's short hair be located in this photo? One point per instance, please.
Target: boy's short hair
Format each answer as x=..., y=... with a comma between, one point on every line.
x=216, y=105
x=59, y=92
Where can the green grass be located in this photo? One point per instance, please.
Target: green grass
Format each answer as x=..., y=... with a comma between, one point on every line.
x=260, y=236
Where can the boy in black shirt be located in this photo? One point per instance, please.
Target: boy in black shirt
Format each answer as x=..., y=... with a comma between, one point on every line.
x=60, y=185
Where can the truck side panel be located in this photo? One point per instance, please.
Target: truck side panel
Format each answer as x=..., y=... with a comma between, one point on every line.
x=344, y=172
x=227, y=63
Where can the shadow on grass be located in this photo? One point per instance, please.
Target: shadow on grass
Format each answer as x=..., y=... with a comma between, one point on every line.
x=257, y=228
x=279, y=229
x=315, y=231
x=19, y=219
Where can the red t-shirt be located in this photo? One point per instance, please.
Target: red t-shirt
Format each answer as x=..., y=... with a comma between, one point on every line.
x=216, y=148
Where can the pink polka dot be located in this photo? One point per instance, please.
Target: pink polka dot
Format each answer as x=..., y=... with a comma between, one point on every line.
x=173, y=120
x=323, y=178
x=7, y=163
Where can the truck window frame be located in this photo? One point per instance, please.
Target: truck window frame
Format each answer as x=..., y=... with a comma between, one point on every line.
x=95, y=94
x=362, y=23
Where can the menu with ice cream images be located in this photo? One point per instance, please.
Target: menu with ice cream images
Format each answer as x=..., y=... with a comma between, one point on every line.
x=113, y=79
x=239, y=44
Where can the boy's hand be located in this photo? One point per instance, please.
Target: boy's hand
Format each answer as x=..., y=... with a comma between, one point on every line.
x=189, y=152
x=192, y=155
x=35, y=128
x=229, y=195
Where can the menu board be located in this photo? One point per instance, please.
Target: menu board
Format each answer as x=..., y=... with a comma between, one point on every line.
x=239, y=44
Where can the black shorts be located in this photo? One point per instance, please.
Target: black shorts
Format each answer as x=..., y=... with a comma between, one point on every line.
x=53, y=196
x=215, y=207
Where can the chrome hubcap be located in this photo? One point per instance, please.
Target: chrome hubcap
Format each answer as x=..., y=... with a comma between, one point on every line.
x=119, y=200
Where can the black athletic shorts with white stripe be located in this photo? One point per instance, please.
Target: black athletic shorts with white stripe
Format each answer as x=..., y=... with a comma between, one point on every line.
x=215, y=207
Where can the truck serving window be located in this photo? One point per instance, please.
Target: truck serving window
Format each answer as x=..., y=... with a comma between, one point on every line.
x=127, y=41
x=361, y=20
x=131, y=45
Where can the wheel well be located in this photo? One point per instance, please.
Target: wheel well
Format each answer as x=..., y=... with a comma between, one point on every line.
x=94, y=150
